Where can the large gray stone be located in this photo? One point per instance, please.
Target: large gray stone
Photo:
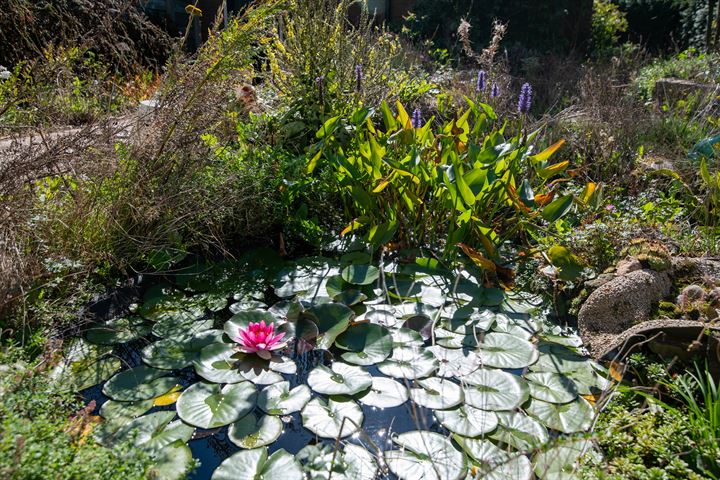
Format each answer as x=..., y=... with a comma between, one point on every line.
x=623, y=302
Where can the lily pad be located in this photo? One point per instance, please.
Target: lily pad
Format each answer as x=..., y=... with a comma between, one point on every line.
x=152, y=432
x=490, y=389
x=279, y=399
x=558, y=359
x=360, y=274
x=175, y=354
x=573, y=417
x=256, y=464
x=454, y=362
x=340, y=379
x=244, y=318
x=409, y=363
x=118, y=330
x=337, y=418
x=467, y=421
x=253, y=432
x=139, y=383
x=332, y=319
x=172, y=462
x=519, y=430
x=367, y=343
x=324, y=461
x=425, y=456
x=495, y=463
x=76, y=375
x=501, y=350
x=437, y=393
x=218, y=363
x=384, y=393
x=207, y=405
x=561, y=461
x=173, y=328
x=551, y=387
x=124, y=411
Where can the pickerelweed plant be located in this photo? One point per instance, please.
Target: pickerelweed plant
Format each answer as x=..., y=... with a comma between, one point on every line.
x=468, y=181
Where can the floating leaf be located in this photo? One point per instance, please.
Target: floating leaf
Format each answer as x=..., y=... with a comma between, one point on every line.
x=454, y=362
x=256, y=464
x=490, y=389
x=425, y=456
x=340, y=379
x=178, y=353
x=409, y=363
x=331, y=319
x=569, y=266
x=77, y=375
x=558, y=359
x=467, y=421
x=278, y=399
x=384, y=393
x=519, y=430
x=551, y=387
x=171, y=463
x=496, y=464
x=139, y=383
x=324, y=461
x=561, y=461
x=169, y=398
x=572, y=417
x=118, y=330
x=253, y=432
x=172, y=328
x=152, y=432
x=337, y=418
x=218, y=363
x=115, y=411
x=360, y=274
x=501, y=350
x=437, y=393
x=368, y=344
x=208, y=405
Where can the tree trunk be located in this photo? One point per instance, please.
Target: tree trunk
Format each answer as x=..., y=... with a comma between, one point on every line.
x=708, y=27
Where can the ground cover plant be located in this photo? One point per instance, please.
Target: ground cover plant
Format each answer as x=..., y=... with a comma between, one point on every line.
x=323, y=247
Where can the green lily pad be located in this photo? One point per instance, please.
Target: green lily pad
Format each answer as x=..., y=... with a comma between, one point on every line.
x=367, y=343
x=77, y=375
x=139, y=383
x=175, y=354
x=255, y=464
x=409, y=363
x=425, y=456
x=115, y=411
x=519, y=430
x=152, y=432
x=332, y=319
x=558, y=359
x=218, y=363
x=551, y=387
x=560, y=462
x=495, y=463
x=384, y=393
x=324, y=461
x=454, y=362
x=340, y=379
x=573, y=417
x=360, y=274
x=172, y=328
x=118, y=330
x=172, y=462
x=208, y=405
x=384, y=317
x=501, y=350
x=490, y=389
x=467, y=421
x=278, y=399
x=243, y=319
x=437, y=393
x=404, y=337
x=337, y=418
x=253, y=432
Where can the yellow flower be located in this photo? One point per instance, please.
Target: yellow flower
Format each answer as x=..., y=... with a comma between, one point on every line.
x=193, y=11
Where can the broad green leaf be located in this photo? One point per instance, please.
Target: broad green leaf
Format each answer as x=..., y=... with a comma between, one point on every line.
x=337, y=418
x=409, y=363
x=557, y=208
x=437, y=393
x=139, y=383
x=279, y=399
x=551, y=387
x=340, y=379
x=490, y=389
x=255, y=464
x=207, y=405
x=253, y=432
x=572, y=417
x=467, y=421
x=425, y=456
x=384, y=393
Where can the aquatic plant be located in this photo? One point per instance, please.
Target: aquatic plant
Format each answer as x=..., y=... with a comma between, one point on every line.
x=260, y=338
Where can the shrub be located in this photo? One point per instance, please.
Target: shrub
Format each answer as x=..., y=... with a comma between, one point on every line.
x=40, y=440
x=608, y=22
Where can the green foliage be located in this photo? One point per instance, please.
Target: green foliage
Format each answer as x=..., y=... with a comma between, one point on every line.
x=660, y=24
x=468, y=179
x=39, y=441
x=317, y=79
x=608, y=22
x=641, y=443
x=688, y=65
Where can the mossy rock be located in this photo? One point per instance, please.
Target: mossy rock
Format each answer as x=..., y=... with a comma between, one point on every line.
x=651, y=254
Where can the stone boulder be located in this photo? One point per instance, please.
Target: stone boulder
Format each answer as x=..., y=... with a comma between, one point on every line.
x=623, y=302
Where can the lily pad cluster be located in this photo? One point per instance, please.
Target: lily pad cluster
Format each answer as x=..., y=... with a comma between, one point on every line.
x=494, y=390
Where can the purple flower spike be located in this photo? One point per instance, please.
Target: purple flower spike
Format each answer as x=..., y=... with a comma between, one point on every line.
x=358, y=77
x=416, y=119
x=320, y=82
x=494, y=90
x=481, y=78
x=525, y=100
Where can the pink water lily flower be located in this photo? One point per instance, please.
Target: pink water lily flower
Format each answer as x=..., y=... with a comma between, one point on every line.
x=260, y=338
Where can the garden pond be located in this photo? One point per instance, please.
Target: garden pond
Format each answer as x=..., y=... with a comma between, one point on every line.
x=393, y=369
